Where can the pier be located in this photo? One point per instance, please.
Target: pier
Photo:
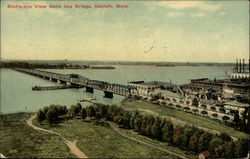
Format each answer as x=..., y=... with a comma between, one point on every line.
x=45, y=88
x=78, y=81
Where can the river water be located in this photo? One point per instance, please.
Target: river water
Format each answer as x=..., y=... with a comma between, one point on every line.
x=16, y=93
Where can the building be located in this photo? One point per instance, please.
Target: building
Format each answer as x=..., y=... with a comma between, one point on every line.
x=145, y=88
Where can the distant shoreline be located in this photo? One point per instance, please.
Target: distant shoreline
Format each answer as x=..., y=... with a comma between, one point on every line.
x=60, y=64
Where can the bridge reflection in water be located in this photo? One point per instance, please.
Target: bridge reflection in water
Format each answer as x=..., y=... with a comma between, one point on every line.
x=78, y=81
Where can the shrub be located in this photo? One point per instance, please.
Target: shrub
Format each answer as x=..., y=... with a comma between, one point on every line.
x=215, y=115
x=203, y=112
x=213, y=108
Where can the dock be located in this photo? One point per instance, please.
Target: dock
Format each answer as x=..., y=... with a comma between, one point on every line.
x=46, y=88
x=91, y=100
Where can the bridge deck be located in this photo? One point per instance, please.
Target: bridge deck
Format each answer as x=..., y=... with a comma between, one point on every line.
x=78, y=80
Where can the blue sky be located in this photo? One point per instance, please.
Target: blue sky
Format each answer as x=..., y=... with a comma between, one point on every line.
x=183, y=31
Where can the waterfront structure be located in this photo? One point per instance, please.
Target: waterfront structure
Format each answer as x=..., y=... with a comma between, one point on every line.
x=147, y=88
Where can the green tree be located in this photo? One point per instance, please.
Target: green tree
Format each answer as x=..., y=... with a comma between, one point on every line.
x=195, y=102
x=177, y=135
x=90, y=111
x=188, y=131
x=137, y=123
x=167, y=131
x=204, y=141
x=203, y=112
x=194, y=140
x=225, y=137
x=51, y=115
x=241, y=147
x=230, y=149
x=213, y=146
x=156, y=128
x=225, y=118
x=40, y=116
x=83, y=113
x=132, y=119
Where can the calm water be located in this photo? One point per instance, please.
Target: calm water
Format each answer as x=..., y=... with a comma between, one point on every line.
x=16, y=93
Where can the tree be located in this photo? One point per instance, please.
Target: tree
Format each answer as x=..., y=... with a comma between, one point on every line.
x=203, y=106
x=126, y=119
x=203, y=112
x=40, y=116
x=167, y=131
x=90, y=111
x=188, y=131
x=83, y=113
x=51, y=115
x=195, y=102
x=194, y=140
x=118, y=119
x=213, y=108
x=225, y=118
x=225, y=137
x=215, y=115
x=186, y=108
x=222, y=110
x=137, y=122
x=177, y=135
x=213, y=146
x=236, y=119
x=195, y=110
x=230, y=149
x=156, y=129
x=132, y=119
x=241, y=147
x=204, y=141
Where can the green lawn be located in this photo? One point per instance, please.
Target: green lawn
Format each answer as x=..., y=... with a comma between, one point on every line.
x=18, y=140
x=103, y=142
x=207, y=123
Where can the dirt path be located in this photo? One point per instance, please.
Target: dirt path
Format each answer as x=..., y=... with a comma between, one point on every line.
x=2, y=156
x=72, y=145
x=145, y=143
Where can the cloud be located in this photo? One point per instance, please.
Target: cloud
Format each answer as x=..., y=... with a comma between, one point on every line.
x=197, y=15
x=188, y=4
x=175, y=14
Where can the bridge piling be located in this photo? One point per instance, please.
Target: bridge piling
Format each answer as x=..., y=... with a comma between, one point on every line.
x=89, y=89
x=108, y=94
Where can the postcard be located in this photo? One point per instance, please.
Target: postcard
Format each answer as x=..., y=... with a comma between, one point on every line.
x=124, y=79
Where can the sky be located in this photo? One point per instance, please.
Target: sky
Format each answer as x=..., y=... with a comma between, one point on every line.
x=169, y=31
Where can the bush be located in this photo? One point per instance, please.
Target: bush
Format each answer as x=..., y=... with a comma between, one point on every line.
x=203, y=112
x=222, y=110
x=186, y=108
x=213, y=108
x=215, y=115
x=203, y=106
x=195, y=110
x=225, y=118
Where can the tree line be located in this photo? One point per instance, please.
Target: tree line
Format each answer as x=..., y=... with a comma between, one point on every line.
x=189, y=138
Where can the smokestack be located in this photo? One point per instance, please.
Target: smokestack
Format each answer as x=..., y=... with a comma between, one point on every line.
x=243, y=66
x=240, y=66
x=237, y=66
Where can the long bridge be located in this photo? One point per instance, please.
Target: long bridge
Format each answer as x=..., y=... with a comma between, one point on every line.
x=77, y=80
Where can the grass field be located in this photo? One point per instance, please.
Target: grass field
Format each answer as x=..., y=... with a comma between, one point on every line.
x=18, y=140
x=103, y=142
x=183, y=117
